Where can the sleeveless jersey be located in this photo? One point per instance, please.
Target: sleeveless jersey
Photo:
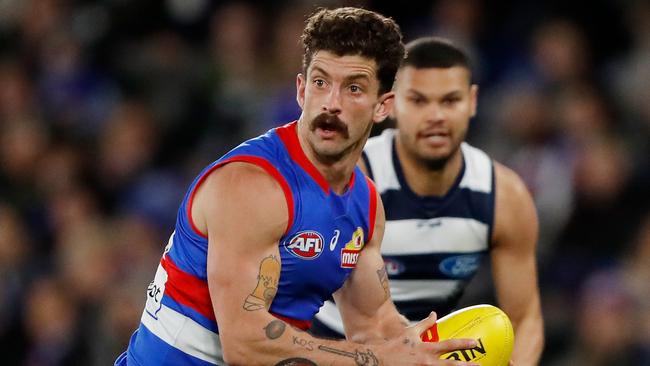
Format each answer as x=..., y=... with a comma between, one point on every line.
x=432, y=246
x=324, y=237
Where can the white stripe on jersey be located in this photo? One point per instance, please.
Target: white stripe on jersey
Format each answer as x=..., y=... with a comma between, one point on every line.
x=408, y=290
x=330, y=316
x=380, y=154
x=185, y=334
x=478, y=169
x=443, y=234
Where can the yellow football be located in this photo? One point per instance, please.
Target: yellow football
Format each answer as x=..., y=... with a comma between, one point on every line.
x=487, y=324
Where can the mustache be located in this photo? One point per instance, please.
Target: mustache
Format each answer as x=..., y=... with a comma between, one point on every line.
x=328, y=121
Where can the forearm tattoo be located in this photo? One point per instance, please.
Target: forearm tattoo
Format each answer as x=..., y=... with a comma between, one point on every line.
x=267, y=285
x=304, y=343
x=383, y=279
x=275, y=329
x=361, y=358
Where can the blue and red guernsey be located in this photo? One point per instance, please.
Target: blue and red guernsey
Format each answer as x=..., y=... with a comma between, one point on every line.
x=320, y=247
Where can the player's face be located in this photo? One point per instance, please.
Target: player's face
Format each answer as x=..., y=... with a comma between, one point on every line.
x=433, y=107
x=340, y=101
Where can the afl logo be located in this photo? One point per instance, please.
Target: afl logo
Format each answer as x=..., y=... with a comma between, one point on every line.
x=306, y=245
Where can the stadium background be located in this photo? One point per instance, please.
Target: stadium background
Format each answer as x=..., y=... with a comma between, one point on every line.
x=109, y=108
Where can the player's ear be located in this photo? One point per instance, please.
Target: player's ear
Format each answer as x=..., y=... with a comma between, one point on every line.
x=384, y=106
x=473, y=98
x=300, y=90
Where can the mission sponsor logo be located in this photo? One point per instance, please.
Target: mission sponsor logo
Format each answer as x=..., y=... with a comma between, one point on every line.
x=350, y=253
x=306, y=245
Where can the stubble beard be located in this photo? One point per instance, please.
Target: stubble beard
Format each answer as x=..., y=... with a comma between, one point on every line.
x=438, y=163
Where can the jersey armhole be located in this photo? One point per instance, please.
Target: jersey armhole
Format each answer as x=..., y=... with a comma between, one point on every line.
x=255, y=160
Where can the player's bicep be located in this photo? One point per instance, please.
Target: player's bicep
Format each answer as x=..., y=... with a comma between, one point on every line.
x=364, y=300
x=242, y=288
x=366, y=288
x=243, y=260
x=515, y=240
x=361, y=298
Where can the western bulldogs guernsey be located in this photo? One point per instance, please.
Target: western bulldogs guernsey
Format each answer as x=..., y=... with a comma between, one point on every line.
x=324, y=237
x=432, y=246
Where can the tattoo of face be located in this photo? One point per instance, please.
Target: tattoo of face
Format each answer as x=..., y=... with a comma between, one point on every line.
x=361, y=358
x=296, y=362
x=275, y=329
x=267, y=285
x=383, y=279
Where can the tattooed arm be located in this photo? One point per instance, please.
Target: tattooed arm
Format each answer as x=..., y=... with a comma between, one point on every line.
x=244, y=213
x=369, y=315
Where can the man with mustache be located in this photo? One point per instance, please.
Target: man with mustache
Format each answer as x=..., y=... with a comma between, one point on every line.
x=282, y=222
x=448, y=205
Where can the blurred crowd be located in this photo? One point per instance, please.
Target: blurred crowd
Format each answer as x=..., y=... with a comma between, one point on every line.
x=108, y=109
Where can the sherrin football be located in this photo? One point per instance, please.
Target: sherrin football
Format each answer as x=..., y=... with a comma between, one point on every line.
x=487, y=324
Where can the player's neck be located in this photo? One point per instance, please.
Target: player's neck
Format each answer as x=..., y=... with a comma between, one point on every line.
x=425, y=181
x=336, y=172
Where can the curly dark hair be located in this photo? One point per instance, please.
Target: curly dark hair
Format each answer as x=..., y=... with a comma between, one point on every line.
x=355, y=31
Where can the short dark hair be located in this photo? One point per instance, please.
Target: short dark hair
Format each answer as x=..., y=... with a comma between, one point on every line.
x=355, y=31
x=435, y=52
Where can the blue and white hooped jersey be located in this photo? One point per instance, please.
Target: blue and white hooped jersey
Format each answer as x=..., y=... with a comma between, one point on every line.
x=432, y=246
x=320, y=247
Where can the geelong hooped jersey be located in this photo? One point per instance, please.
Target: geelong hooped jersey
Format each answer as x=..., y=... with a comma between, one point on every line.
x=432, y=246
x=324, y=237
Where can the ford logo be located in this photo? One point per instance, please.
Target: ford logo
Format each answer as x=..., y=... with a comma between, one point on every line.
x=460, y=266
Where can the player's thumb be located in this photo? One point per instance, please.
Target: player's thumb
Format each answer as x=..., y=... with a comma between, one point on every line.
x=426, y=323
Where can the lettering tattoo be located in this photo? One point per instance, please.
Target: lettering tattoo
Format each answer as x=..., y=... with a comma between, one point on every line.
x=267, y=285
x=304, y=343
x=275, y=329
x=383, y=279
x=296, y=362
x=361, y=358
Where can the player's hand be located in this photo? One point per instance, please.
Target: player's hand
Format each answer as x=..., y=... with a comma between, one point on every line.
x=408, y=349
